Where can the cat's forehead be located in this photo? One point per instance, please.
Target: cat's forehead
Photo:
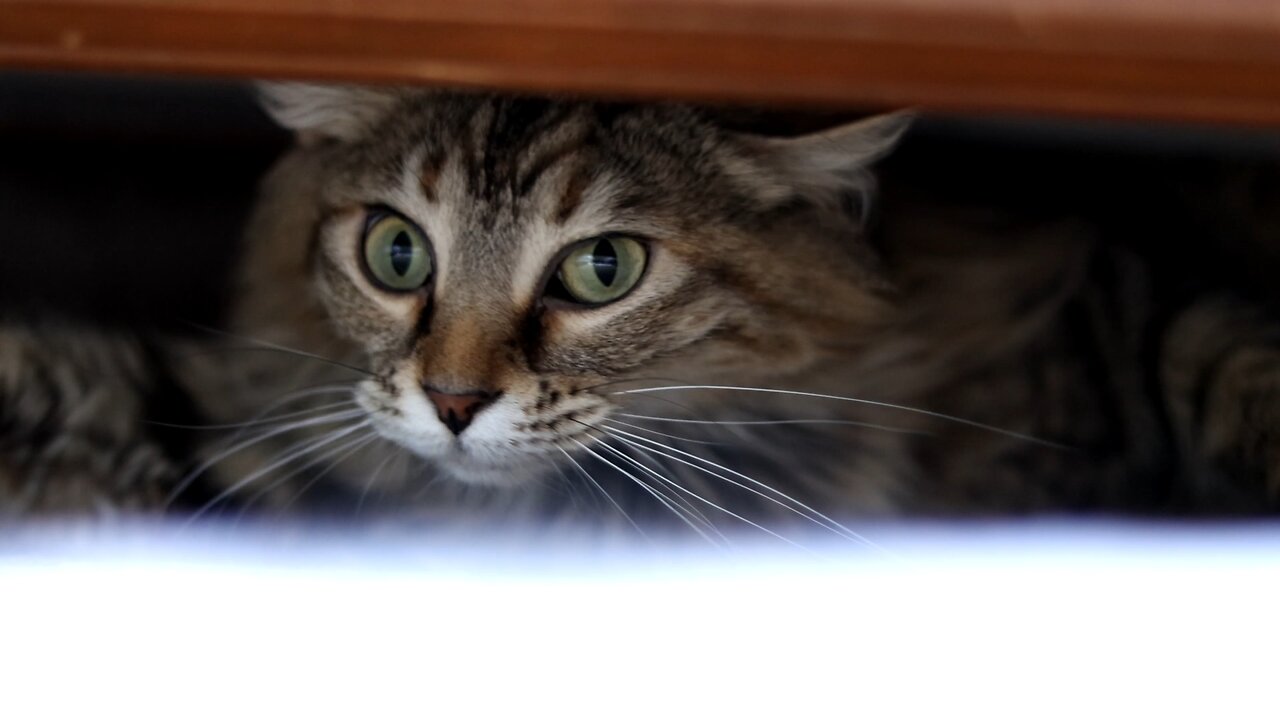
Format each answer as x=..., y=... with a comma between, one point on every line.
x=494, y=162
x=504, y=146
x=502, y=126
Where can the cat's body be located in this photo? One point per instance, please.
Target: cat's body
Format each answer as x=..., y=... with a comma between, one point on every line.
x=1035, y=370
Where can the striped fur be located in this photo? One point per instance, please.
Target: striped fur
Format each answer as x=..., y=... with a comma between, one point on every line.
x=1051, y=373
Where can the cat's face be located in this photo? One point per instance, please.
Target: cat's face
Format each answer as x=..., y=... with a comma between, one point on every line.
x=505, y=265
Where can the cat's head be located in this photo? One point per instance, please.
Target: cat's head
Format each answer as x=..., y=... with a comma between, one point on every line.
x=504, y=264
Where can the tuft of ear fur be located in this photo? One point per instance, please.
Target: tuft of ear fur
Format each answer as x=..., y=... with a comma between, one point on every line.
x=326, y=112
x=830, y=163
x=843, y=150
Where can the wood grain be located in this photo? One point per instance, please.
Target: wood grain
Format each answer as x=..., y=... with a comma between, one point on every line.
x=1198, y=60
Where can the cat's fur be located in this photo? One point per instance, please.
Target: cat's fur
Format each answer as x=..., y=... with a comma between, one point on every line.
x=1051, y=377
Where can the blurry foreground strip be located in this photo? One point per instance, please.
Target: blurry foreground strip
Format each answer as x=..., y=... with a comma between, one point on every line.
x=969, y=621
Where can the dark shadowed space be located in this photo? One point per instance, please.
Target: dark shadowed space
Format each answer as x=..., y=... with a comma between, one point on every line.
x=121, y=198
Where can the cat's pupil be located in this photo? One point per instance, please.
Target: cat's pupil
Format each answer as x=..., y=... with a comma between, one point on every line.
x=604, y=258
x=401, y=253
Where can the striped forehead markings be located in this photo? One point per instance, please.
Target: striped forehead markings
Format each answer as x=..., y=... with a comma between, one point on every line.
x=510, y=128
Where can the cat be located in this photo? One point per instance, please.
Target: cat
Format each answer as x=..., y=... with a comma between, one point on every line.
x=456, y=307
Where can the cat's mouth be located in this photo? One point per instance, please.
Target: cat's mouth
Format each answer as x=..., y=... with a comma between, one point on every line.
x=464, y=459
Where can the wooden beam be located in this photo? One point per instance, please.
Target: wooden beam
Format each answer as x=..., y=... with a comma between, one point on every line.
x=1199, y=60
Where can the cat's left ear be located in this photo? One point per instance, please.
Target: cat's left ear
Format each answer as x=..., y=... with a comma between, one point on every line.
x=326, y=112
x=830, y=160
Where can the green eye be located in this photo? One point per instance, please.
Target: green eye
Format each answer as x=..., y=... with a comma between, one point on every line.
x=602, y=270
x=395, y=251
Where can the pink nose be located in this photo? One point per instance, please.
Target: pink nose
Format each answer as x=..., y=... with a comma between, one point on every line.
x=457, y=410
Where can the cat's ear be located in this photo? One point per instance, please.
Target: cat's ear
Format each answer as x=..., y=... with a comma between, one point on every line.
x=326, y=112
x=831, y=160
x=843, y=149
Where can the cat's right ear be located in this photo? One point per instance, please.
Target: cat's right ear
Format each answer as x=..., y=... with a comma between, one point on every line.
x=842, y=150
x=317, y=113
x=825, y=164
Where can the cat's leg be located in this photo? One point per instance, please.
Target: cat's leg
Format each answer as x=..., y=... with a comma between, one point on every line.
x=1221, y=372
x=74, y=438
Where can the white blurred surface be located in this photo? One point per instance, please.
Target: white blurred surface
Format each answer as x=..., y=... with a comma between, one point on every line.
x=1023, y=621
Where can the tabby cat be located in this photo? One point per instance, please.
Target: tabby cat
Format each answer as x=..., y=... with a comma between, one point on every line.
x=455, y=307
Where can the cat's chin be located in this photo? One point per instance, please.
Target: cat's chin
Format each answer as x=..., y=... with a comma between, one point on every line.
x=468, y=471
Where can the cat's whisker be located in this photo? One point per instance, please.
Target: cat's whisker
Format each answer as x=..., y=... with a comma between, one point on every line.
x=575, y=490
x=268, y=345
x=710, y=503
x=260, y=417
x=203, y=467
x=305, y=419
x=771, y=494
x=860, y=401
x=593, y=454
x=347, y=449
x=285, y=477
x=748, y=423
x=293, y=452
x=603, y=492
x=373, y=479
x=667, y=482
x=687, y=482
x=682, y=438
x=307, y=392
x=603, y=444
x=354, y=444
x=289, y=399
x=561, y=486
x=726, y=511
x=660, y=497
x=295, y=397
x=624, y=381
x=658, y=477
x=259, y=421
x=687, y=410
x=566, y=482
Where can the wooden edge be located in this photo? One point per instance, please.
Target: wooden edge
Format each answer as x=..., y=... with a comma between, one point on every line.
x=979, y=56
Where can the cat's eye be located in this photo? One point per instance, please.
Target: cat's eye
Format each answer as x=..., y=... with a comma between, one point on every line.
x=396, y=253
x=600, y=270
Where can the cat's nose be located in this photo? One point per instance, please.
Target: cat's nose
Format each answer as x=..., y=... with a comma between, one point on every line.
x=457, y=410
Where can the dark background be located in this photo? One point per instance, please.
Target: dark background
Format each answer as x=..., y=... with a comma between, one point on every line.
x=121, y=199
